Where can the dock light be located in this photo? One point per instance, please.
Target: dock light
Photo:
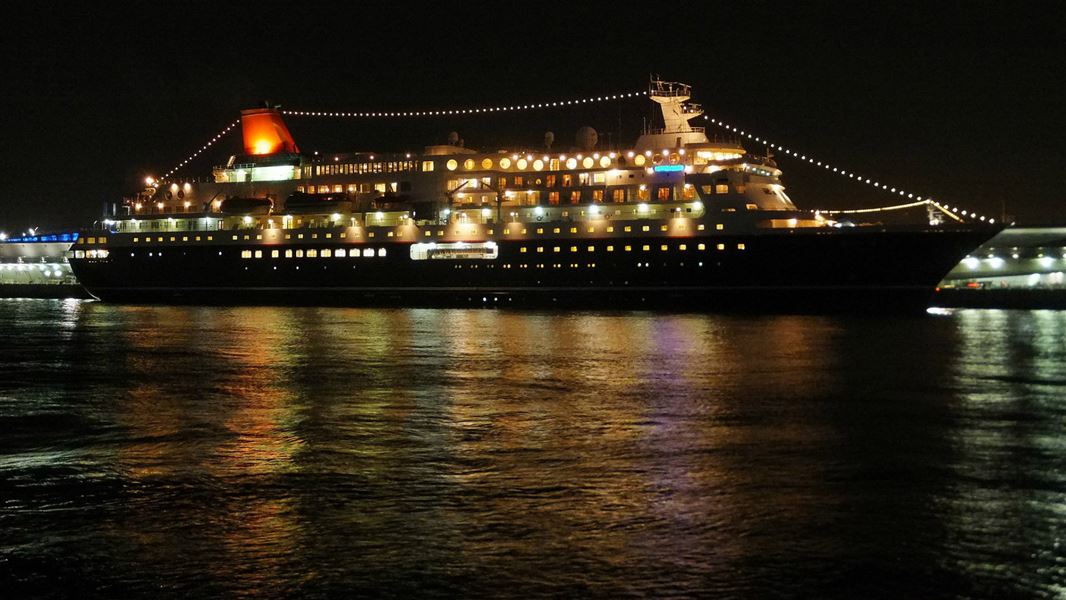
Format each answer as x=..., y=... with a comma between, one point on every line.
x=3, y=236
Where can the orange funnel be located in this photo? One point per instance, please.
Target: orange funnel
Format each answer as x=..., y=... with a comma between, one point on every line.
x=265, y=132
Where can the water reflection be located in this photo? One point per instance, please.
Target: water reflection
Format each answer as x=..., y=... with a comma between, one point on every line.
x=451, y=452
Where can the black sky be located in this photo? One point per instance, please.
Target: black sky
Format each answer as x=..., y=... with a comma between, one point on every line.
x=965, y=102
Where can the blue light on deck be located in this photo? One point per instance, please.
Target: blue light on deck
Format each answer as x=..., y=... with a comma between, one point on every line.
x=669, y=168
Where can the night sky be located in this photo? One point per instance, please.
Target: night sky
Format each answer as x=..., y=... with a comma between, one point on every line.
x=963, y=102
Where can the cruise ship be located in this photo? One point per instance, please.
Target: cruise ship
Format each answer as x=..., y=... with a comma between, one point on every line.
x=677, y=219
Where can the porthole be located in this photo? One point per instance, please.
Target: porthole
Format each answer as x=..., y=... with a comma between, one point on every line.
x=538, y=165
x=639, y=160
x=571, y=163
x=486, y=164
x=468, y=164
x=605, y=161
x=452, y=165
x=505, y=163
x=588, y=162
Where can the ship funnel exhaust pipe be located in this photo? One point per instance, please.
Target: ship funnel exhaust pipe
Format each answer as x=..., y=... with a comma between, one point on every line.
x=265, y=132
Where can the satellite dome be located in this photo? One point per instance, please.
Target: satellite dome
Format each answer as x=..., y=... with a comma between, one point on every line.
x=586, y=138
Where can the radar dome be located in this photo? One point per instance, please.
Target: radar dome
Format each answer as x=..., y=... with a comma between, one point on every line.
x=586, y=138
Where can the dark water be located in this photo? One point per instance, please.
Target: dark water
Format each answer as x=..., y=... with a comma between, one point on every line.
x=279, y=452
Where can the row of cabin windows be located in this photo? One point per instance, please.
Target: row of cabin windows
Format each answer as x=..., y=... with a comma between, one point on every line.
x=401, y=166
x=622, y=248
x=316, y=253
x=381, y=252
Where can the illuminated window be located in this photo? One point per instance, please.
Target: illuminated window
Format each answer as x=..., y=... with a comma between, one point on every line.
x=629, y=248
x=571, y=163
x=522, y=249
x=599, y=178
x=553, y=164
x=427, y=165
x=368, y=252
x=299, y=254
x=568, y=180
x=340, y=253
x=682, y=247
x=610, y=229
x=663, y=247
x=540, y=248
x=573, y=248
x=135, y=240
x=288, y=254
x=720, y=246
x=326, y=253
x=468, y=164
x=588, y=162
x=688, y=192
x=645, y=228
x=553, y=197
x=627, y=228
x=721, y=188
x=573, y=230
x=663, y=193
x=486, y=164
x=557, y=249
x=646, y=247
x=246, y=253
x=610, y=248
x=597, y=195
x=555, y=230
x=338, y=188
x=540, y=230
x=259, y=254
x=740, y=246
x=381, y=252
x=592, y=248
x=663, y=228
x=274, y=254
x=618, y=195
x=719, y=226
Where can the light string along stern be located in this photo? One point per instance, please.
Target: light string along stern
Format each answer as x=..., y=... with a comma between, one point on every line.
x=209, y=143
x=443, y=112
x=954, y=213
x=419, y=113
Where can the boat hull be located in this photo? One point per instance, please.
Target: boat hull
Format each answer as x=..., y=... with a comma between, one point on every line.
x=875, y=269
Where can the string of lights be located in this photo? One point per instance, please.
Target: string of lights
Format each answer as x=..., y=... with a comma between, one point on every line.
x=952, y=212
x=467, y=111
x=209, y=143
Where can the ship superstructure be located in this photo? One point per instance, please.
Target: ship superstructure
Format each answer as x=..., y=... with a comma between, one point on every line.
x=677, y=217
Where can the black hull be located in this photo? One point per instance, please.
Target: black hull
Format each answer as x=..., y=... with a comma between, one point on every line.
x=875, y=270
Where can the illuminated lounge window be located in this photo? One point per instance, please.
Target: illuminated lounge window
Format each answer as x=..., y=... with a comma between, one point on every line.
x=575, y=197
x=618, y=195
x=663, y=194
x=427, y=166
x=721, y=188
x=549, y=181
x=597, y=195
x=553, y=197
x=568, y=180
